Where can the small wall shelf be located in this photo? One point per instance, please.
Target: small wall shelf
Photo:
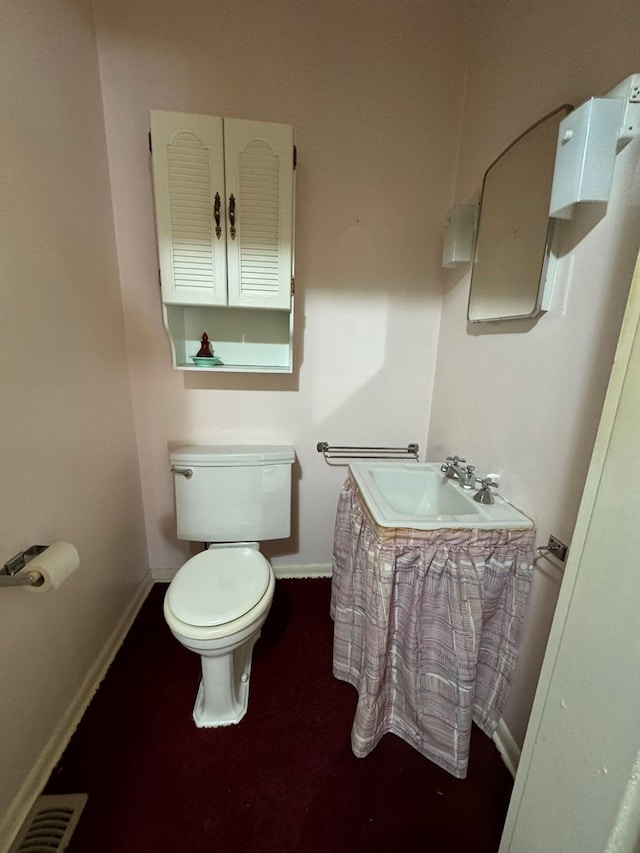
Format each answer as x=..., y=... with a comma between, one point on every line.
x=246, y=340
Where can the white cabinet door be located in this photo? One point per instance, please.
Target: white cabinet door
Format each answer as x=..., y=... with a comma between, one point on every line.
x=259, y=182
x=224, y=210
x=188, y=177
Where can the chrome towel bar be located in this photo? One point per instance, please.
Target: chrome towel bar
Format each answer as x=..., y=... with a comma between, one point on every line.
x=354, y=452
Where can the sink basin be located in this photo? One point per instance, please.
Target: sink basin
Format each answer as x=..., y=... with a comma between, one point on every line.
x=419, y=496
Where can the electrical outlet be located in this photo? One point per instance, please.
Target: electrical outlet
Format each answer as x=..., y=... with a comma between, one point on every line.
x=557, y=548
x=634, y=94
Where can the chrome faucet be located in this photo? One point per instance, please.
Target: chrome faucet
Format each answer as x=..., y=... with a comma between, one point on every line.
x=451, y=468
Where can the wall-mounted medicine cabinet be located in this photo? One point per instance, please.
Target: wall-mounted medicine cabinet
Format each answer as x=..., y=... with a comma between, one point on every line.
x=224, y=200
x=563, y=161
x=513, y=265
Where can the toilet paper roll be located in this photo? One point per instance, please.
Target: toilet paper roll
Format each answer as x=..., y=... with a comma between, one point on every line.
x=56, y=564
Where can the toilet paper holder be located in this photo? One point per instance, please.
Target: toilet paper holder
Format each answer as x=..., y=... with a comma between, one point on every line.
x=10, y=572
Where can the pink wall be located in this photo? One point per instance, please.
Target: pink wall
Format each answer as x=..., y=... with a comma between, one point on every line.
x=374, y=92
x=519, y=399
x=68, y=456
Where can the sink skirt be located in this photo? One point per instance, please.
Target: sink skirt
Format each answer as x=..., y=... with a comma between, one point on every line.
x=427, y=628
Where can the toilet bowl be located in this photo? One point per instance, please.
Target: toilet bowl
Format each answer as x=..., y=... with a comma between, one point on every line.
x=216, y=606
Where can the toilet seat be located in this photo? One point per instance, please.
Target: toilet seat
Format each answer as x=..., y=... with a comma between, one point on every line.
x=219, y=586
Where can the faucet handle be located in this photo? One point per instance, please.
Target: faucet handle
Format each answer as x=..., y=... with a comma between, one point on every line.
x=487, y=482
x=484, y=495
x=455, y=459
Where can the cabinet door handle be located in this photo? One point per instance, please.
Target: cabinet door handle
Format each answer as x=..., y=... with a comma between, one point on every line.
x=232, y=216
x=216, y=214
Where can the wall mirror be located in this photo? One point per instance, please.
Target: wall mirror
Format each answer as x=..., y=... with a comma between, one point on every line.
x=512, y=260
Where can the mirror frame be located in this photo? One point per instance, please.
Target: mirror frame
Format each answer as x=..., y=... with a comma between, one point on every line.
x=542, y=267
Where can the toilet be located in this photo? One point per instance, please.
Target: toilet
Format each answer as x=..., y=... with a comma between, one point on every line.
x=231, y=498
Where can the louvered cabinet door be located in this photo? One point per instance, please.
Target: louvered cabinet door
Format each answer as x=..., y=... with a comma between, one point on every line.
x=259, y=208
x=188, y=172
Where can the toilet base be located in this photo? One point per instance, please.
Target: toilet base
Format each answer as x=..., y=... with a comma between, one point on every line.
x=223, y=694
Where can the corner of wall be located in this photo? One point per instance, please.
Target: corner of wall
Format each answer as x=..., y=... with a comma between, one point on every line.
x=60, y=737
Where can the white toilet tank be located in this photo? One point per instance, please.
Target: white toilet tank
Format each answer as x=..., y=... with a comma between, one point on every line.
x=232, y=493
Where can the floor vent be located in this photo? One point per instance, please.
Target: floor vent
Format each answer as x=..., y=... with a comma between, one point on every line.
x=50, y=824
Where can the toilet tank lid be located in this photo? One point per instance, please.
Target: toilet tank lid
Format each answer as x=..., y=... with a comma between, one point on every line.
x=232, y=454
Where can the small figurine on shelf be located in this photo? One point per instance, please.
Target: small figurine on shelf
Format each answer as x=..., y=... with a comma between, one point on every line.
x=205, y=357
x=205, y=350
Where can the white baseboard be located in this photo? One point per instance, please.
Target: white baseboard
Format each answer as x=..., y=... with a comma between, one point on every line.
x=163, y=575
x=60, y=737
x=507, y=747
x=310, y=570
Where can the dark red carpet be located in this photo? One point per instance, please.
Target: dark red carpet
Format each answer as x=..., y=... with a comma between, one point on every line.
x=284, y=779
